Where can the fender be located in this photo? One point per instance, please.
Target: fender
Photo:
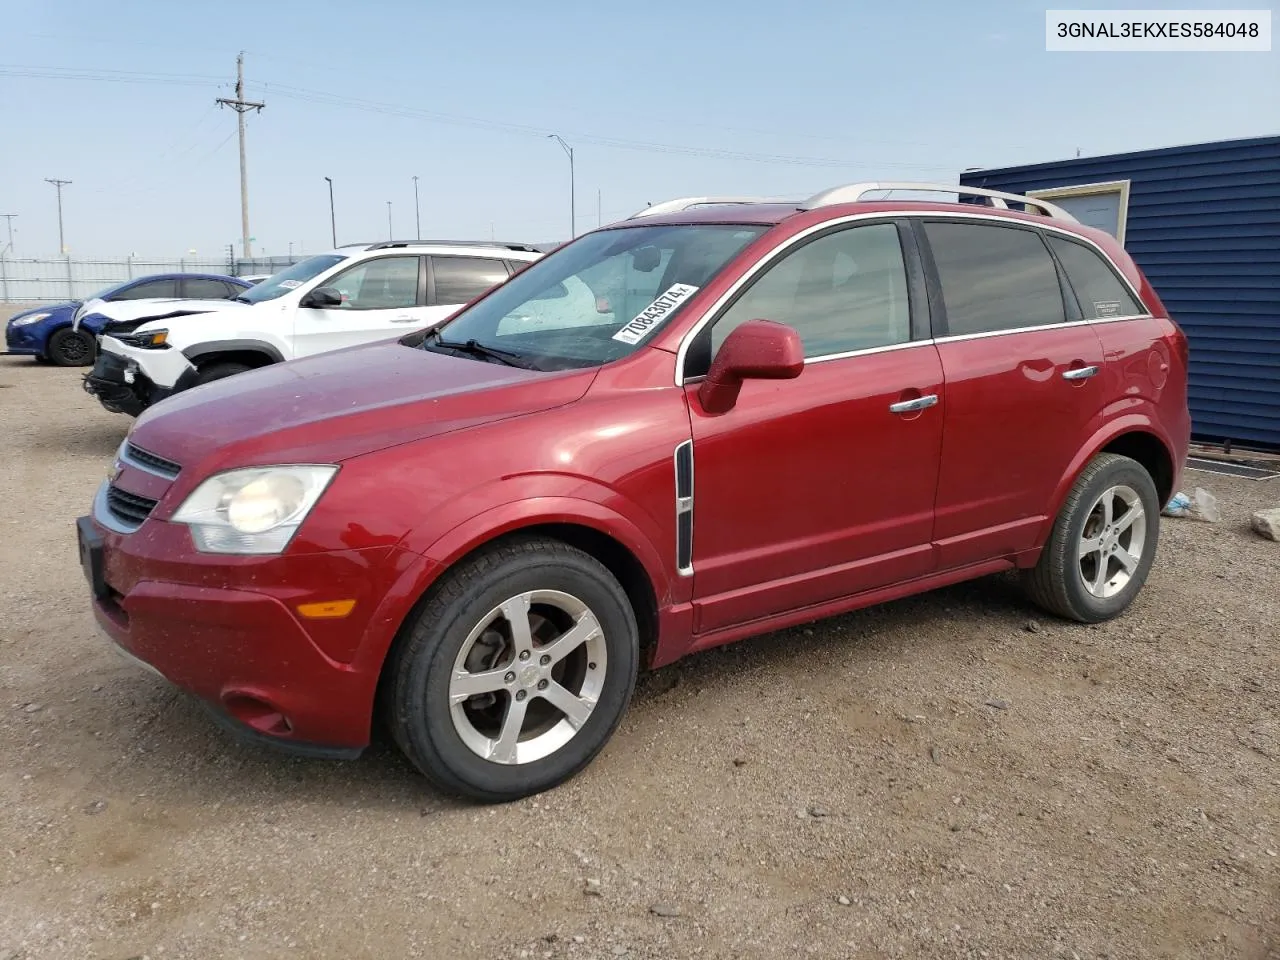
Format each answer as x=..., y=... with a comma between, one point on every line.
x=1137, y=420
x=420, y=571
x=506, y=518
x=230, y=346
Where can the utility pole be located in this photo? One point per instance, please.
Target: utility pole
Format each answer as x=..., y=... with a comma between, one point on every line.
x=573, y=193
x=9, y=217
x=242, y=106
x=333, y=223
x=390, y=235
x=417, y=217
x=59, y=184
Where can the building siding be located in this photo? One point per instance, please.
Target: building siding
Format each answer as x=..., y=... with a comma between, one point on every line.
x=1204, y=226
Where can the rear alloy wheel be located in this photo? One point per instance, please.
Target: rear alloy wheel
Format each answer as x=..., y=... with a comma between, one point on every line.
x=515, y=673
x=70, y=348
x=1103, y=543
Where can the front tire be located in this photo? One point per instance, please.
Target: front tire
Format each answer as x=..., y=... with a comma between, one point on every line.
x=1102, y=545
x=219, y=371
x=71, y=348
x=515, y=672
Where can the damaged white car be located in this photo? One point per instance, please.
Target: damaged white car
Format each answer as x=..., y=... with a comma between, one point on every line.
x=349, y=296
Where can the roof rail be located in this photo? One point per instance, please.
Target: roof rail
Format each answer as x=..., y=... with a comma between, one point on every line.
x=504, y=244
x=854, y=192
x=687, y=203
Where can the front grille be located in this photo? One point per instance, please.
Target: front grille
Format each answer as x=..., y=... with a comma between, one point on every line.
x=151, y=461
x=130, y=508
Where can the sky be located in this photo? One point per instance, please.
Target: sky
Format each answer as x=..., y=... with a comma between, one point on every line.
x=658, y=99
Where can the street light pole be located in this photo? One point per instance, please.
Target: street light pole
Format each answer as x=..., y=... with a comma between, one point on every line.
x=333, y=223
x=390, y=233
x=417, y=217
x=573, y=193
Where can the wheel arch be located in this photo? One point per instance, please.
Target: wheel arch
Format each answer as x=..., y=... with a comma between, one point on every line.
x=1136, y=436
x=253, y=353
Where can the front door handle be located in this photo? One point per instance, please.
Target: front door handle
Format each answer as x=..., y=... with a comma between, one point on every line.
x=911, y=406
x=1080, y=373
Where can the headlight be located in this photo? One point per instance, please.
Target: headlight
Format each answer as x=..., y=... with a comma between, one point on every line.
x=253, y=510
x=151, y=340
x=29, y=318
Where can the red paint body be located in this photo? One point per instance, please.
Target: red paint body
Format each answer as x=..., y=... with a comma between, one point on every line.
x=811, y=498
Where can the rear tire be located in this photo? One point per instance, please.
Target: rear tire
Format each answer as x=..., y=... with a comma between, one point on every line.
x=463, y=673
x=71, y=348
x=1102, y=545
x=219, y=371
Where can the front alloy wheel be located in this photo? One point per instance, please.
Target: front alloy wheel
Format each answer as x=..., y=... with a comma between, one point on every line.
x=515, y=672
x=528, y=677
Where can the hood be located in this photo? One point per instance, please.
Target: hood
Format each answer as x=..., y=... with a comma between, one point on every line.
x=338, y=405
x=139, y=311
x=56, y=311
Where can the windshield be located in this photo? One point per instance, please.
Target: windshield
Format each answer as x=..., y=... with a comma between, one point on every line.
x=278, y=284
x=595, y=300
x=107, y=291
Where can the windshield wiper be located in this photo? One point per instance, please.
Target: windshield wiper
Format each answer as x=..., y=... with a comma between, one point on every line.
x=478, y=349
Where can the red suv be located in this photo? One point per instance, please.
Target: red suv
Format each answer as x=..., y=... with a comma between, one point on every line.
x=714, y=419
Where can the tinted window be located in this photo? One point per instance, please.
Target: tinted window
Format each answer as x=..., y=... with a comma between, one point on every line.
x=994, y=278
x=203, y=288
x=462, y=279
x=845, y=291
x=381, y=284
x=148, y=289
x=1098, y=290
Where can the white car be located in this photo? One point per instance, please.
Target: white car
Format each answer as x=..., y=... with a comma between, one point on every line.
x=349, y=296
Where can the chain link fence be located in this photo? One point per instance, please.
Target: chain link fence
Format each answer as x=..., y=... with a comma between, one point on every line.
x=67, y=278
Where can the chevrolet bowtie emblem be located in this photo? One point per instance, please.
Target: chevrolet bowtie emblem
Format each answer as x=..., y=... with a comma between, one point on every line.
x=114, y=471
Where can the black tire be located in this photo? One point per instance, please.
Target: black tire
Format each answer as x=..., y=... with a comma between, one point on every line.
x=71, y=348
x=1057, y=584
x=219, y=371
x=416, y=704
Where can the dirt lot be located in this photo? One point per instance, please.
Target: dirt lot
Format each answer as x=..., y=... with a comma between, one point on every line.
x=941, y=777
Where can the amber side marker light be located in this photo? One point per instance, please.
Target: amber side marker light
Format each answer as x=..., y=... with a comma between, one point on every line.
x=326, y=610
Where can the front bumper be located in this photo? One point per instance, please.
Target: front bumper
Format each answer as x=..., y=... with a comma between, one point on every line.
x=129, y=379
x=226, y=628
x=24, y=340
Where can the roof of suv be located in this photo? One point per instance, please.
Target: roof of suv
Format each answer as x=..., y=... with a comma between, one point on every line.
x=851, y=197
x=493, y=248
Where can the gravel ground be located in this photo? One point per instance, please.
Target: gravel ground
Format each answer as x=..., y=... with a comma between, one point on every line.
x=953, y=775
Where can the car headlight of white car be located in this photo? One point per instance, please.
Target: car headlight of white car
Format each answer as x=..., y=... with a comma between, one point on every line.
x=254, y=510
x=29, y=318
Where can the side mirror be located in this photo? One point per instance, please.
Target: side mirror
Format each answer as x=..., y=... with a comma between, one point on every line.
x=322, y=297
x=757, y=350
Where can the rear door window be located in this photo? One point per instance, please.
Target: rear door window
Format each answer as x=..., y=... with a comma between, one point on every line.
x=1100, y=293
x=994, y=277
x=204, y=288
x=462, y=279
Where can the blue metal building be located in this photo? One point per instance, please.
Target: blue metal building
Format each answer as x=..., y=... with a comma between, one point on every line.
x=1203, y=223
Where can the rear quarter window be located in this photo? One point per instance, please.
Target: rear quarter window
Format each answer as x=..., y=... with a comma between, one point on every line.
x=1100, y=293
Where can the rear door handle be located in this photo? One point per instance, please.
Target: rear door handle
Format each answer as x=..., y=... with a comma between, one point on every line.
x=910, y=406
x=1080, y=373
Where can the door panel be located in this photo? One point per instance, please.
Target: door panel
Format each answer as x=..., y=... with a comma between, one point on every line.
x=812, y=489
x=1013, y=425
x=381, y=300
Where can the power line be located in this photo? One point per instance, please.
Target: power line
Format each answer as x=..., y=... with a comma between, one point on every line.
x=242, y=106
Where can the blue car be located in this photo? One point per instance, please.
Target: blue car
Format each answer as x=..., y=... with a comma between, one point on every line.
x=45, y=332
